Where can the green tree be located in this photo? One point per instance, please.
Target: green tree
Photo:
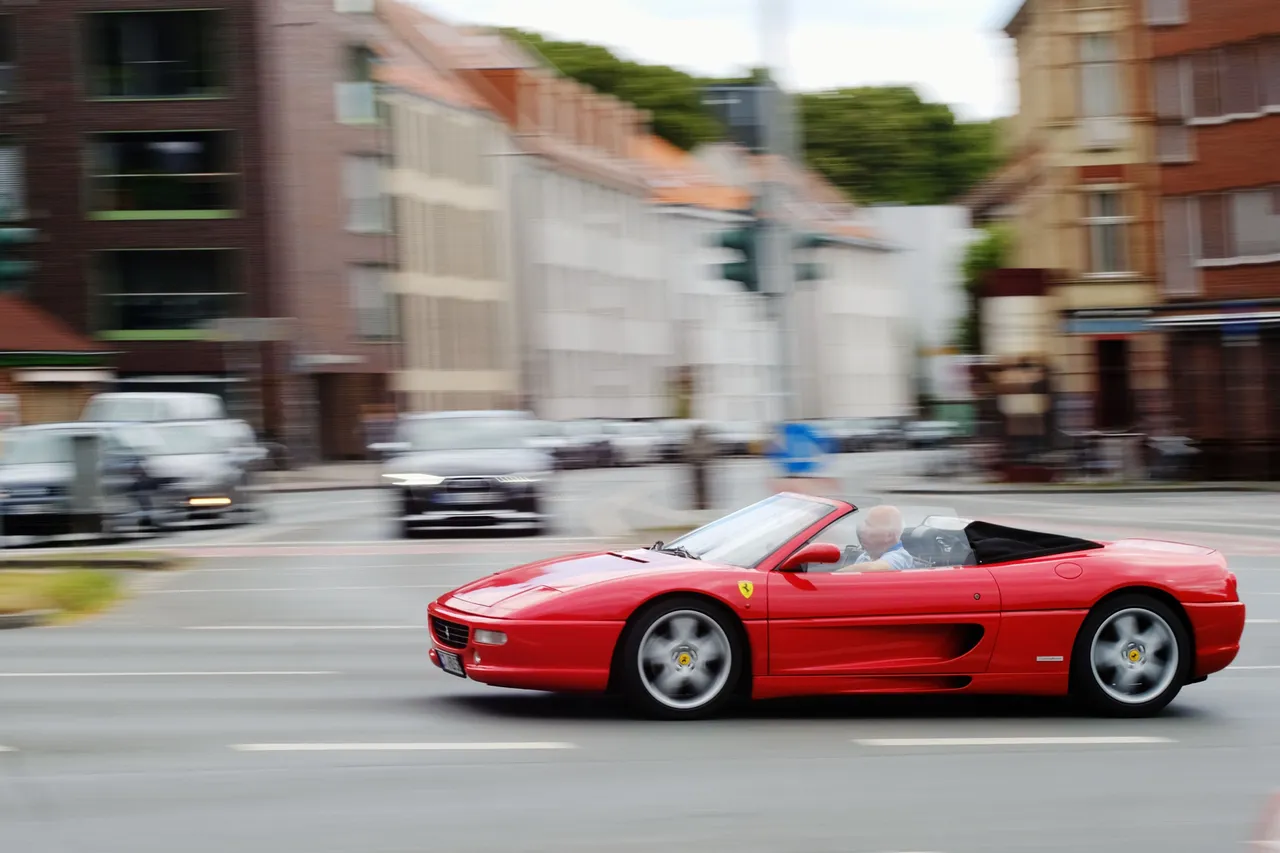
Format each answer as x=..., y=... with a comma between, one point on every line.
x=991, y=252
x=876, y=143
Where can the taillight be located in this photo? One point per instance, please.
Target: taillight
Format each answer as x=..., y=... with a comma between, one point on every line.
x=1232, y=586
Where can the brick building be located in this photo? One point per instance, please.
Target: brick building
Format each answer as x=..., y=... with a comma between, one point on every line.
x=1216, y=71
x=132, y=140
x=1079, y=195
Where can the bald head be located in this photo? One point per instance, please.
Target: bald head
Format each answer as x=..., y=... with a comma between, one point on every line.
x=880, y=529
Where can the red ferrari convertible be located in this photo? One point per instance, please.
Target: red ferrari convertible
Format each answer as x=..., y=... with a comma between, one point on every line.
x=768, y=602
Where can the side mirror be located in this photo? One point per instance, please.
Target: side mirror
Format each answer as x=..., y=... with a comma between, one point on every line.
x=389, y=448
x=814, y=552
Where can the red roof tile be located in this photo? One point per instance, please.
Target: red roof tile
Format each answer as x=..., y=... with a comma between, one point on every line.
x=26, y=328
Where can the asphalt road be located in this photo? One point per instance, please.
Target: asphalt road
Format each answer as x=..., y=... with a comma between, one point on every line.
x=277, y=697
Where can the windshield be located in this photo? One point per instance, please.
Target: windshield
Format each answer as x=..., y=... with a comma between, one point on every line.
x=186, y=439
x=745, y=538
x=467, y=433
x=34, y=447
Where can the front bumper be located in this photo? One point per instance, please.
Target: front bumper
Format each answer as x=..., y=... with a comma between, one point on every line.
x=438, y=508
x=538, y=655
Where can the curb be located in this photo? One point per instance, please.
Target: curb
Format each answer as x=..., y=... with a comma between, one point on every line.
x=90, y=561
x=26, y=619
x=319, y=487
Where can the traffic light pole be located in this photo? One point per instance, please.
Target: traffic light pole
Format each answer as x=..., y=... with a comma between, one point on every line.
x=777, y=269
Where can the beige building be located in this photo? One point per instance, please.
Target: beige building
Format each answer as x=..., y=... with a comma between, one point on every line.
x=453, y=287
x=1079, y=194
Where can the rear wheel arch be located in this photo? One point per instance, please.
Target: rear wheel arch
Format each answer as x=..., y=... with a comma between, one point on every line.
x=732, y=619
x=1163, y=596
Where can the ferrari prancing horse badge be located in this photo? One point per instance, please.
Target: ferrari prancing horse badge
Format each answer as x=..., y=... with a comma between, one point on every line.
x=746, y=588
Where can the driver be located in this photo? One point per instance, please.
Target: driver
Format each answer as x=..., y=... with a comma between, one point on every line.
x=880, y=534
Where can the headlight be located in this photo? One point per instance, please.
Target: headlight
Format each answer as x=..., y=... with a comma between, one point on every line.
x=535, y=477
x=414, y=479
x=490, y=638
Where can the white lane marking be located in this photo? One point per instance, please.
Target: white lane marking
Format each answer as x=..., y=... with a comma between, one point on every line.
x=164, y=674
x=4, y=748
x=1007, y=741
x=395, y=747
x=1233, y=668
x=1262, y=621
x=302, y=588
x=305, y=628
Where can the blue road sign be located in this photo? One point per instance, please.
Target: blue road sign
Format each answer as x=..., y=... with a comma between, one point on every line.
x=800, y=448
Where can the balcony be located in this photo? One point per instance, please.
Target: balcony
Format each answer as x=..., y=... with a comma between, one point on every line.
x=160, y=55
x=166, y=294
x=165, y=175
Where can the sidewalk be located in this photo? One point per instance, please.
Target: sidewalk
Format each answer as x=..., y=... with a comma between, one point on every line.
x=331, y=476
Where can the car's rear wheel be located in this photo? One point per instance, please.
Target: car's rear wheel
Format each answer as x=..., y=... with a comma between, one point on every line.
x=1131, y=657
x=682, y=659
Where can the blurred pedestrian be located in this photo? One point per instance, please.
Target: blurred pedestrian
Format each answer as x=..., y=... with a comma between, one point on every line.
x=699, y=452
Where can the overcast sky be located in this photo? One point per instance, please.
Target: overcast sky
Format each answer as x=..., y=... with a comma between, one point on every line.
x=951, y=50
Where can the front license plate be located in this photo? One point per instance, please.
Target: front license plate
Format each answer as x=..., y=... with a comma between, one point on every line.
x=451, y=663
x=466, y=498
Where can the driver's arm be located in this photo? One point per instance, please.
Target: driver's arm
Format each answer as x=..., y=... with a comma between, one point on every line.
x=872, y=566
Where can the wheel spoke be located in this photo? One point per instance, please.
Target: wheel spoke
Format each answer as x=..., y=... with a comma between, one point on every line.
x=1127, y=628
x=671, y=680
x=712, y=649
x=1153, y=639
x=1127, y=677
x=683, y=629
x=1106, y=654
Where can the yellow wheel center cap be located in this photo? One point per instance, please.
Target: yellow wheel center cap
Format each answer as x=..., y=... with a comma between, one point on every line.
x=685, y=659
x=1135, y=655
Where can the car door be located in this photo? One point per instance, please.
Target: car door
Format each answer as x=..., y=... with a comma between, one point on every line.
x=939, y=621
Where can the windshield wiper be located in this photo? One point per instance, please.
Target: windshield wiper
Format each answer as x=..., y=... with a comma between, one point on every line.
x=677, y=550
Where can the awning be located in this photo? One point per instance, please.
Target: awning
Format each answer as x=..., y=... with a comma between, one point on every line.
x=1242, y=321
x=71, y=376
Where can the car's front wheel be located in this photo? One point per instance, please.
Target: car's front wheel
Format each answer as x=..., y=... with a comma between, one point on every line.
x=682, y=659
x=1131, y=657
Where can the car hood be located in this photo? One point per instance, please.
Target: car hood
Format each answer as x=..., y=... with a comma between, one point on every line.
x=36, y=475
x=565, y=574
x=470, y=463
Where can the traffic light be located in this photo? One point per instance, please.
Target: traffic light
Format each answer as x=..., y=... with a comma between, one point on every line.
x=805, y=270
x=12, y=269
x=745, y=240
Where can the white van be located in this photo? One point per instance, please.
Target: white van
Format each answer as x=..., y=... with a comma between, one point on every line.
x=136, y=406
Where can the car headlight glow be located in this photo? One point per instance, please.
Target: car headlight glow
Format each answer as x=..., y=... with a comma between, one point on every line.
x=414, y=479
x=535, y=477
x=490, y=638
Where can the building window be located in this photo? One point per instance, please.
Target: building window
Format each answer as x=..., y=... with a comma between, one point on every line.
x=355, y=94
x=13, y=203
x=1241, y=94
x=169, y=54
x=373, y=306
x=1242, y=225
x=1099, y=76
x=180, y=174
x=1107, y=228
x=1166, y=13
x=8, y=58
x=366, y=203
x=1255, y=220
x=1269, y=68
x=166, y=293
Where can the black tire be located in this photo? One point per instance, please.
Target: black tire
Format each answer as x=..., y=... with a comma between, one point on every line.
x=632, y=683
x=1085, y=683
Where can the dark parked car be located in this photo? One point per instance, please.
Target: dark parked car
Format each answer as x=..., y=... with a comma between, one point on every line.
x=457, y=470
